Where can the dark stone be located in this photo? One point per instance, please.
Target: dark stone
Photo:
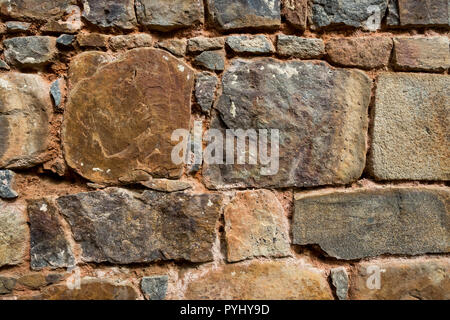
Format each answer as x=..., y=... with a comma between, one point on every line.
x=110, y=13
x=366, y=223
x=17, y=26
x=424, y=12
x=49, y=246
x=120, y=226
x=65, y=40
x=205, y=89
x=393, y=17
x=30, y=52
x=55, y=91
x=211, y=60
x=155, y=287
x=6, y=182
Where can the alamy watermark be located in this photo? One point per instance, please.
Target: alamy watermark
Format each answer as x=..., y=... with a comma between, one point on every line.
x=231, y=146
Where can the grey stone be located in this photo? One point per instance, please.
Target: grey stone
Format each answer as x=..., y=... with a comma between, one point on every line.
x=110, y=13
x=120, y=226
x=48, y=244
x=318, y=144
x=211, y=60
x=17, y=26
x=392, y=17
x=4, y=65
x=339, y=278
x=55, y=91
x=370, y=222
x=200, y=44
x=245, y=14
x=176, y=47
x=168, y=15
x=30, y=52
x=424, y=12
x=13, y=233
x=65, y=40
x=166, y=185
x=258, y=44
x=6, y=182
x=205, y=89
x=155, y=287
x=411, y=127
x=42, y=10
x=136, y=40
x=7, y=284
x=366, y=14
x=302, y=48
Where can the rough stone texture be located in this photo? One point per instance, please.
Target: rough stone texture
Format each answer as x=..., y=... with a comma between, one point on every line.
x=25, y=107
x=136, y=40
x=33, y=52
x=411, y=123
x=366, y=14
x=33, y=280
x=106, y=143
x=85, y=65
x=258, y=44
x=17, y=26
x=35, y=9
x=167, y=15
x=48, y=244
x=366, y=223
x=295, y=12
x=175, y=46
x=154, y=287
x=211, y=60
x=6, y=185
x=110, y=13
x=13, y=233
x=4, y=65
x=392, y=16
x=365, y=52
x=322, y=133
x=302, y=48
x=65, y=40
x=422, y=54
x=424, y=279
x=69, y=23
x=245, y=14
x=120, y=226
x=7, y=284
x=424, y=12
x=256, y=226
x=90, y=289
x=166, y=185
x=92, y=40
x=56, y=91
x=200, y=44
x=339, y=278
x=271, y=280
x=205, y=89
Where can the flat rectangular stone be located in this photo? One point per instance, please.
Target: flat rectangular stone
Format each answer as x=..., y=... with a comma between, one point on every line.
x=258, y=44
x=298, y=47
x=424, y=12
x=364, y=223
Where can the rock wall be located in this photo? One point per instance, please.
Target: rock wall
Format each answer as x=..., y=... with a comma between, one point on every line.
x=94, y=207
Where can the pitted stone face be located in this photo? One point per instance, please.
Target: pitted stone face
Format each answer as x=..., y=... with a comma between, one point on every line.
x=119, y=121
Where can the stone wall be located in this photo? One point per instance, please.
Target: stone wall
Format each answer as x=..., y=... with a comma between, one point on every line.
x=93, y=207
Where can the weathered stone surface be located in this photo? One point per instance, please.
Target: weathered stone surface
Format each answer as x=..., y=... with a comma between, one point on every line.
x=33, y=280
x=166, y=185
x=205, y=89
x=175, y=46
x=136, y=40
x=366, y=223
x=424, y=12
x=56, y=91
x=35, y=9
x=295, y=12
x=25, y=108
x=167, y=15
x=17, y=26
x=7, y=284
x=85, y=65
x=30, y=52
x=302, y=48
x=70, y=22
x=93, y=40
x=6, y=185
x=393, y=16
x=258, y=44
x=200, y=44
x=272, y=280
x=154, y=287
x=48, y=244
x=107, y=143
x=416, y=279
x=4, y=65
x=120, y=226
x=245, y=14
x=90, y=289
x=211, y=60
x=339, y=278
x=422, y=54
x=366, y=14
x=365, y=52
x=110, y=13
x=65, y=40
x=321, y=123
x=256, y=226
x=411, y=123
x=13, y=233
